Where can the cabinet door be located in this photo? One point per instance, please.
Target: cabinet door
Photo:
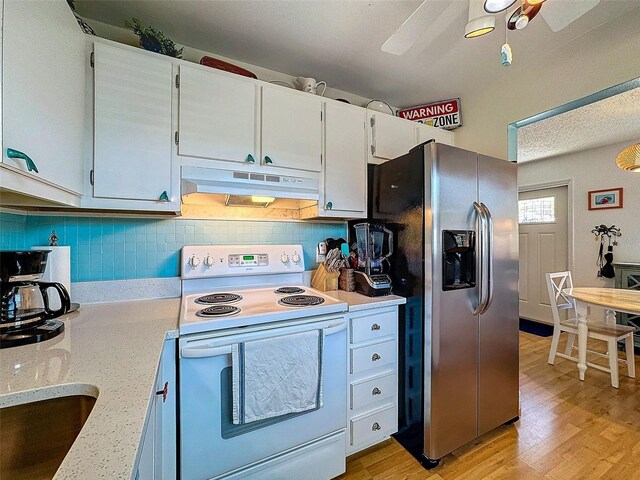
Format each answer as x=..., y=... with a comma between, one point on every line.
x=291, y=129
x=427, y=132
x=345, y=163
x=217, y=116
x=132, y=124
x=43, y=91
x=390, y=137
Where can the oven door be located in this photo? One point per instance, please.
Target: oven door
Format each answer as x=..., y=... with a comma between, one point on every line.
x=210, y=444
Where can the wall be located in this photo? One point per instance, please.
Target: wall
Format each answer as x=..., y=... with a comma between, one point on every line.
x=593, y=169
x=105, y=248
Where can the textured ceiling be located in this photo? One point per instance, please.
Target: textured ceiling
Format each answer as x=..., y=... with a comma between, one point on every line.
x=612, y=120
x=339, y=41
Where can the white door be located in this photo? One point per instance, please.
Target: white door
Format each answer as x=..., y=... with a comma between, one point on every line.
x=217, y=116
x=390, y=137
x=291, y=129
x=43, y=92
x=543, y=247
x=133, y=138
x=427, y=132
x=345, y=168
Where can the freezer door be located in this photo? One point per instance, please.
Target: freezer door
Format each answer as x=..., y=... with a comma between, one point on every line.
x=451, y=328
x=498, y=325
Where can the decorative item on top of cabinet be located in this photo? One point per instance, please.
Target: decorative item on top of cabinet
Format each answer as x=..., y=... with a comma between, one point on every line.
x=372, y=410
x=42, y=113
x=153, y=39
x=132, y=166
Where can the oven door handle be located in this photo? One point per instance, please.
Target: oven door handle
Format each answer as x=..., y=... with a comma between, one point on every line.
x=205, y=351
x=334, y=328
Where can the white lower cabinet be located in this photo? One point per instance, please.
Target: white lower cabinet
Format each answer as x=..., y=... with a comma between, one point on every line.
x=373, y=377
x=158, y=449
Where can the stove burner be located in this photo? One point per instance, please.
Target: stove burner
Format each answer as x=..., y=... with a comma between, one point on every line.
x=218, y=311
x=215, y=298
x=289, y=290
x=301, y=301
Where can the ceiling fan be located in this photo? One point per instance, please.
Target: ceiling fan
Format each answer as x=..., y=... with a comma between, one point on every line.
x=439, y=15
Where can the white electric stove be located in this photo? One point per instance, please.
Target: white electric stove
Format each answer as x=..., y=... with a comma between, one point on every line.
x=237, y=286
x=236, y=294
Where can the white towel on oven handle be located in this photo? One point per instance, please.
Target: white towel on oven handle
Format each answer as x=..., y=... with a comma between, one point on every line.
x=277, y=375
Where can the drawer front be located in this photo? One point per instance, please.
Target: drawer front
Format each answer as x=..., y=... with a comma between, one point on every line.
x=378, y=389
x=374, y=426
x=374, y=326
x=373, y=356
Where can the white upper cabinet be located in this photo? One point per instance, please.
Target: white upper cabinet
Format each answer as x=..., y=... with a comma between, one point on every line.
x=133, y=137
x=217, y=116
x=43, y=84
x=345, y=161
x=427, y=132
x=390, y=137
x=291, y=129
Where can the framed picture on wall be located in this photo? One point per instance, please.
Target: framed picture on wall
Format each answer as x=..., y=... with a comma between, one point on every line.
x=602, y=199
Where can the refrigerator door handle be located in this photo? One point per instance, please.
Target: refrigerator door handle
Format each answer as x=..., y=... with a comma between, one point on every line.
x=489, y=257
x=481, y=247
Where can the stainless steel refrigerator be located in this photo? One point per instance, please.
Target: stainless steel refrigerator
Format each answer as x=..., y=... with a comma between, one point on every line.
x=454, y=217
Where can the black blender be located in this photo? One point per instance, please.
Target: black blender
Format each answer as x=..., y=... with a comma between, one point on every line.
x=370, y=275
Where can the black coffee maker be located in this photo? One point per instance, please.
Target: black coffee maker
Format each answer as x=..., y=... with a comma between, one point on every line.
x=25, y=314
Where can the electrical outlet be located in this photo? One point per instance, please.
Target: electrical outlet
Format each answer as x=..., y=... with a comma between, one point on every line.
x=321, y=252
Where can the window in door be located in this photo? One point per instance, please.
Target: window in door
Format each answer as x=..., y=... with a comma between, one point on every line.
x=537, y=210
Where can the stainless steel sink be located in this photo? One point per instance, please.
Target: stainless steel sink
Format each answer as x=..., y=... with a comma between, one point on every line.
x=36, y=436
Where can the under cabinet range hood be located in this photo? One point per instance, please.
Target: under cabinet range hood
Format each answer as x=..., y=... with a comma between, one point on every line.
x=205, y=180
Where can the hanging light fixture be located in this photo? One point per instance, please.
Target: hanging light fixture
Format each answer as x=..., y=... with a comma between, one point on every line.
x=629, y=158
x=496, y=6
x=480, y=23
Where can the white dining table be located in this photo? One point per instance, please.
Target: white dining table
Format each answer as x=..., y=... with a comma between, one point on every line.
x=612, y=299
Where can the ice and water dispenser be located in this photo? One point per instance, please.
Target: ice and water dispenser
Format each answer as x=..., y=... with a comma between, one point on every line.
x=458, y=259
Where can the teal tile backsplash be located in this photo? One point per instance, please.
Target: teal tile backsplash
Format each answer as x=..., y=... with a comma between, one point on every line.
x=105, y=248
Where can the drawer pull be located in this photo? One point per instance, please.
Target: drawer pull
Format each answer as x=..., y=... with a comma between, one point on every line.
x=376, y=391
x=375, y=357
x=375, y=427
x=375, y=326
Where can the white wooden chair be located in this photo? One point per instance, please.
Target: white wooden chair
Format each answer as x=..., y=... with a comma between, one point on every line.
x=608, y=332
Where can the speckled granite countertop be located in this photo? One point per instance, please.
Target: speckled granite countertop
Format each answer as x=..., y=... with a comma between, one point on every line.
x=110, y=351
x=358, y=302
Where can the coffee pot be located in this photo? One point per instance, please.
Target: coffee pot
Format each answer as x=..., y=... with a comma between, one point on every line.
x=25, y=300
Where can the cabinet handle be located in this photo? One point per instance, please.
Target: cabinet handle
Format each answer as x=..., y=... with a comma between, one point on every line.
x=376, y=391
x=250, y=159
x=375, y=427
x=375, y=326
x=164, y=197
x=375, y=357
x=31, y=166
x=267, y=160
x=329, y=205
x=164, y=392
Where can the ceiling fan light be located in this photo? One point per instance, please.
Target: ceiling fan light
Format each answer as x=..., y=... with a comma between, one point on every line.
x=522, y=22
x=495, y=6
x=479, y=22
x=629, y=158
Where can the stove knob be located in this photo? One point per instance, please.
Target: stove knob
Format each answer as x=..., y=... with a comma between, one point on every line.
x=284, y=258
x=209, y=261
x=295, y=258
x=194, y=261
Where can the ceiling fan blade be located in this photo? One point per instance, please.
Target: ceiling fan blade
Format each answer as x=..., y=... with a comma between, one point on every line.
x=413, y=27
x=560, y=13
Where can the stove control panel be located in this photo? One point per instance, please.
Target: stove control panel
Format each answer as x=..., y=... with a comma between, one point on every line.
x=239, y=260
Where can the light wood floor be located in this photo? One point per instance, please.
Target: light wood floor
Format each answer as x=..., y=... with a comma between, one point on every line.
x=568, y=430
